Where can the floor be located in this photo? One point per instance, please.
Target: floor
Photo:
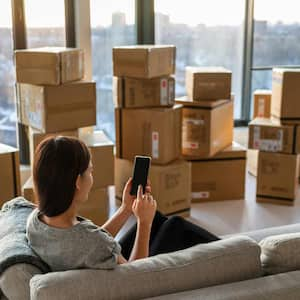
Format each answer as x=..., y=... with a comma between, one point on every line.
x=227, y=217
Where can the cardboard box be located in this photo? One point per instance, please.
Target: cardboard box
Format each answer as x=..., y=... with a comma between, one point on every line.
x=271, y=135
x=10, y=186
x=102, y=151
x=154, y=132
x=208, y=83
x=277, y=177
x=262, y=103
x=28, y=190
x=207, y=127
x=144, y=61
x=221, y=177
x=170, y=184
x=285, y=95
x=96, y=208
x=49, y=65
x=35, y=137
x=132, y=92
x=57, y=108
x=252, y=161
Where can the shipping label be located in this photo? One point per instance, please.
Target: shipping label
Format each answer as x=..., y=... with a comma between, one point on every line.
x=264, y=144
x=164, y=91
x=261, y=107
x=155, y=144
x=201, y=195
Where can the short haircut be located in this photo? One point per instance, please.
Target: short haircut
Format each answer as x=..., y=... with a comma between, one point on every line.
x=58, y=162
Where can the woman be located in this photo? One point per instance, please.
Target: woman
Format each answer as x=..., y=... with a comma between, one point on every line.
x=62, y=175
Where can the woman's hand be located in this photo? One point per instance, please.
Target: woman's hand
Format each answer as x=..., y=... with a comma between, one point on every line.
x=127, y=199
x=144, y=207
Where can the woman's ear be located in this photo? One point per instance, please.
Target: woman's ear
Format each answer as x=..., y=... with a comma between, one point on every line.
x=78, y=182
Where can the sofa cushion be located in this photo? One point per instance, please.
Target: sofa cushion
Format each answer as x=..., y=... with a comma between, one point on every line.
x=14, y=281
x=233, y=259
x=276, y=287
x=280, y=253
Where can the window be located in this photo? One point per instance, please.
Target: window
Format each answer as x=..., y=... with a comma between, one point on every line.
x=113, y=24
x=276, y=35
x=7, y=77
x=45, y=22
x=206, y=33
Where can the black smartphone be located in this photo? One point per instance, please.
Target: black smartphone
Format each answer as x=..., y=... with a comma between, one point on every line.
x=140, y=173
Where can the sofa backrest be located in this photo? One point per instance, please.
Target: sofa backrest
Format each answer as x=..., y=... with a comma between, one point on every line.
x=228, y=260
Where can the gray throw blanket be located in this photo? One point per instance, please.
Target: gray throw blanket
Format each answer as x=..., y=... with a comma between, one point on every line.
x=14, y=246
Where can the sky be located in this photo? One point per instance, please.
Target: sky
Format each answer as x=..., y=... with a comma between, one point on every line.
x=50, y=13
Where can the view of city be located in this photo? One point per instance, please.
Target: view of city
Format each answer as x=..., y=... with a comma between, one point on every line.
x=197, y=44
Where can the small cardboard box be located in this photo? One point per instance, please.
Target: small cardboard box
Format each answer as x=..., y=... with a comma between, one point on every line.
x=270, y=135
x=170, y=184
x=49, y=65
x=154, y=132
x=221, y=177
x=262, y=103
x=57, y=108
x=35, y=137
x=207, y=127
x=208, y=83
x=277, y=177
x=285, y=103
x=28, y=190
x=133, y=92
x=144, y=61
x=10, y=186
x=96, y=208
x=252, y=161
x=102, y=151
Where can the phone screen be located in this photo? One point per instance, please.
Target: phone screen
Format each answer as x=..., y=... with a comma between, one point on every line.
x=140, y=173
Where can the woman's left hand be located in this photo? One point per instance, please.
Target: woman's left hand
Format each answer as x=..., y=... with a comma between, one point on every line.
x=127, y=199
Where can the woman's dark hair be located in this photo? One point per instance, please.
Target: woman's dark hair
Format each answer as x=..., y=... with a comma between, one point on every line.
x=58, y=162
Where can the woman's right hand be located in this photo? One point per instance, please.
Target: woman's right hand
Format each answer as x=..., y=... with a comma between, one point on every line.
x=144, y=207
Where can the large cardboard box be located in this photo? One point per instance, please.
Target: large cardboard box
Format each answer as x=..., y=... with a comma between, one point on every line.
x=277, y=177
x=221, y=177
x=133, y=92
x=208, y=83
x=170, y=184
x=102, y=151
x=262, y=103
x=49, y=65
x=96, y=208
x=285, y=95
x=207, y=127
x=35, y=137
x=271, y=135
x=144, y=61
x=10, y=186
x=154, y=132
x=57, y=108
x=252, y=161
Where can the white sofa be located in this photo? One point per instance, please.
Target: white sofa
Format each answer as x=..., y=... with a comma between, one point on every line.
x=232, y=268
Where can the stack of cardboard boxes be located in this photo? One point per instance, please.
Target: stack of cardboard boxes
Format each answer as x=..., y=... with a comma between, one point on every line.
x=277, y=140
x=53, y=99
x=207, y=134
x=148, y=123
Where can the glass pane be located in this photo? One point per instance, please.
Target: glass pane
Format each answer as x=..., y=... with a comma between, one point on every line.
x=7, y=77
x=276, y=33
x=113, y=24
x=261, y=80
x=206, y=33
x=45, y=23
